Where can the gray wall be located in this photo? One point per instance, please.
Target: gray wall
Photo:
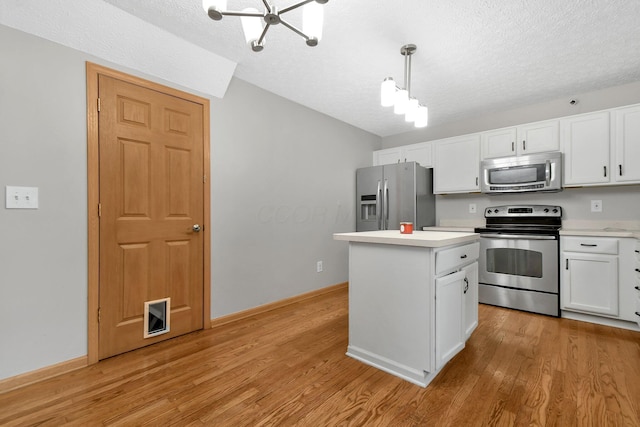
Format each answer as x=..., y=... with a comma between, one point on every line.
x=283, y=180
x=282, y=183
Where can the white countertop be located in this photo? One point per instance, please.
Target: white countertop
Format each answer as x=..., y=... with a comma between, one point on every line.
x=606, y=232
x=426, y=239
x=457, y=229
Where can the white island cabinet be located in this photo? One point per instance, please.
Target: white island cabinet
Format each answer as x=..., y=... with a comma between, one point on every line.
x=407, y=299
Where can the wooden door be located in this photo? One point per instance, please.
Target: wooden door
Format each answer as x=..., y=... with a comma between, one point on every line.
x=151, y=196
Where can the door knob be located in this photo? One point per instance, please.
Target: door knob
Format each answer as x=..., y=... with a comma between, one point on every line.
x=196, y=228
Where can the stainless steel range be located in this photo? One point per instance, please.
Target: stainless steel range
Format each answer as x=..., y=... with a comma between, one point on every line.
x=519, y=258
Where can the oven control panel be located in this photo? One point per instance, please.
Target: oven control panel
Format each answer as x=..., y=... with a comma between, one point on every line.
x=523, y=211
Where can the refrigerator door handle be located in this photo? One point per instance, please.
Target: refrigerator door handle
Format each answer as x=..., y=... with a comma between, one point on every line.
x=386, y=204
x=379, y=206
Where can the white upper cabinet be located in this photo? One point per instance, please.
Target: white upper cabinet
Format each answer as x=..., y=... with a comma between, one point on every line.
x=457, y=165
x=525, y=139
x=499, y=143
x=420, y=153
x=538, y=137
x=627, y=144
x=599, y=148
x=586, y=146
x=387, y=156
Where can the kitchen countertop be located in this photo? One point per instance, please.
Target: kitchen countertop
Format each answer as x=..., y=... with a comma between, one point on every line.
x=564, y=231
x=426, y=239
x=457, y=229
x=605, y=232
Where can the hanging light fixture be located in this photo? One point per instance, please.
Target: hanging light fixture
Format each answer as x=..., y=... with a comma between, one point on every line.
x=312, y=16
x=400, y=98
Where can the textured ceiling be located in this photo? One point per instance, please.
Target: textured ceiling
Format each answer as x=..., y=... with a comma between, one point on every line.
x=473, y=57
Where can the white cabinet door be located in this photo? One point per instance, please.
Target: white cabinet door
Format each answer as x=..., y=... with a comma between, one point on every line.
x=470, y=292
x=498, y=143
x=525, y=139
x=538, y=137
x=386, y=157
x=457, y=165
x=628, y=279
x=590, y=283
x=449, y=317
x=627, y=144
x=420, y=153
x=586, y=145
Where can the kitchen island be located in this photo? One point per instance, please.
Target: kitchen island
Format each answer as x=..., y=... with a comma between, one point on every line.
x=413, y=299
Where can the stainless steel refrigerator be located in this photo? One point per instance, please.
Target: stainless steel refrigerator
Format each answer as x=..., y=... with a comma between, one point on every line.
x=390, y=194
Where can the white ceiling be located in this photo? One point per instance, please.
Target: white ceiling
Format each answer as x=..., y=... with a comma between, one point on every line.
x=474, y=56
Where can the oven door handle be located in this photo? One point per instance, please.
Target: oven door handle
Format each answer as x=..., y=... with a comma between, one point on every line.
x=517, y=236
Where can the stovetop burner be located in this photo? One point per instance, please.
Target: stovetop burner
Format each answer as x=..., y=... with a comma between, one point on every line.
x=522, y=219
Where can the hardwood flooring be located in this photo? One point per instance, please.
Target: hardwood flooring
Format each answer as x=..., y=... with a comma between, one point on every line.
x=288, y=367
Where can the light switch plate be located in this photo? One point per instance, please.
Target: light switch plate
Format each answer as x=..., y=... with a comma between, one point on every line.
x=596, y=206
x=21, y=197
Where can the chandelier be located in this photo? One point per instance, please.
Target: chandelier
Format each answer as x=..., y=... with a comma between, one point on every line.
x=254, y=33
x=400, y=98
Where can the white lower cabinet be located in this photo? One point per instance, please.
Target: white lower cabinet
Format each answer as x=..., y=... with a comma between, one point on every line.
x=636, y=281
x=408, y=311
x=590, y=283
x=590, y=275
x=470, y=292
x=450, y=336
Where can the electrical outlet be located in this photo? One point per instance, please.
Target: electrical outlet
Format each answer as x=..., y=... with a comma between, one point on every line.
x=319, y=267
x=472, y=208
x=596, y=206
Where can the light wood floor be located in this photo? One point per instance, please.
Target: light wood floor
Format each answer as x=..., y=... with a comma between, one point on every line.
x=288, y=367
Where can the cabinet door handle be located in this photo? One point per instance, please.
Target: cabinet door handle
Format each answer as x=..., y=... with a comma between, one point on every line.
x=566, y=264
x=605, y=171
x=524, y=145
x=637, y=313
x=588, y=245
x=476, y=180
x=620, y=168
x=463, y=256
x=513, y=146
x=638, y=288
x=638, y=270
x=466, y=286
x=638, y=252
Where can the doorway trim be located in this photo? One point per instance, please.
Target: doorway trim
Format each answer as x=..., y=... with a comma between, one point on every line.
x=93, y=197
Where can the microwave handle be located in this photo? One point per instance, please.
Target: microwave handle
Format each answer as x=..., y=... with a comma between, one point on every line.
x=547, y=172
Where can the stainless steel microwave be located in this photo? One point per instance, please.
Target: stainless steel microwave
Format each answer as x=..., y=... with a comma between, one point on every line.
x=534, y=172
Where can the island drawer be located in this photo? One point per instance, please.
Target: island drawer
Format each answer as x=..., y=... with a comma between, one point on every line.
x=449, y=259
x=595, y=245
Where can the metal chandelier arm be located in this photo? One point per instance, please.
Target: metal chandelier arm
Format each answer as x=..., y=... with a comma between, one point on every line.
x=264, y=33
x=294, y=29
x=237, y=13
x=294, y=6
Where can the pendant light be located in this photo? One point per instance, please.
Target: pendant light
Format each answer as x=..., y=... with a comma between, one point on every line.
x=400, y=98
